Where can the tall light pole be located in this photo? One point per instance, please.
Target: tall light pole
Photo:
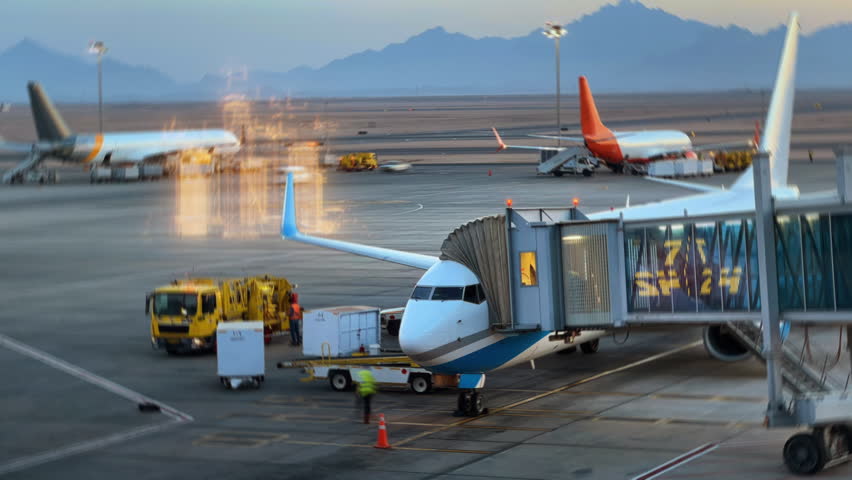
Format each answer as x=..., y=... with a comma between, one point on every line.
x=98, y=48
x=551, y=30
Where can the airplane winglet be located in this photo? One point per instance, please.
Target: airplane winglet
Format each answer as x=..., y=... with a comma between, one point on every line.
x=289, y=229
x=500, y=143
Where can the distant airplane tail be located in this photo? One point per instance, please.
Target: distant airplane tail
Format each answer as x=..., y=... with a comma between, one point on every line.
x=779, y=119
x=589, y=118
x=756, y=140
x=48, y=122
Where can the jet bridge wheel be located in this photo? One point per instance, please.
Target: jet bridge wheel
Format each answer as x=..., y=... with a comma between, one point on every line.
x=805, y=453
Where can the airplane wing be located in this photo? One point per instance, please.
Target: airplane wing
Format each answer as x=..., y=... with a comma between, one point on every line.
x=290, y=231
x=688, y=185
x=747, y=144
x=580, y=140
x=14, y=148
x=503, y=146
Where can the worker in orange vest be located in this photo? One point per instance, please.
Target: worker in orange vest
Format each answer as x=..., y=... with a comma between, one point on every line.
x=295, y=320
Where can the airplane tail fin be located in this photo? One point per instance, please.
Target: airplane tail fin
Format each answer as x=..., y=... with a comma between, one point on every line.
x=776, y=132
x=48, y=122
x=589, y=118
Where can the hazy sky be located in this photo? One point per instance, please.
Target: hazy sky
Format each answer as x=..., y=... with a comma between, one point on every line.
x=187, y=38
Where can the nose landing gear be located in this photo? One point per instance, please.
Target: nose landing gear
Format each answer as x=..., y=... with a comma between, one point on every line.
x=471, y=403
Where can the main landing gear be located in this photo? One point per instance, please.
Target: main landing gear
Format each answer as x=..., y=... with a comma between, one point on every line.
x=471, y=403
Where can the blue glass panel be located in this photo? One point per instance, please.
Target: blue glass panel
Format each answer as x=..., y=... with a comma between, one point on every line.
x=819, y=279
x=707, y=267
x=753, y=272
x=788, y=235
x=841, y=231
x=733, y=274
x=659, y=295
x=634, y=255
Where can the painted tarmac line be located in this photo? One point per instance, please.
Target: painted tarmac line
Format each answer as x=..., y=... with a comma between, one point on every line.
x=678, y=461
x=176, y=416
x=416, y=209
x=82, y=447
x=90, y=377
x=557, y=390
x=393, y=447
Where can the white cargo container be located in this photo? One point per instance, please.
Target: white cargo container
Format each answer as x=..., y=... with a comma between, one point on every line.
x=150, y=171
x=706, y=167
x=661, y=168
x=340, y=331
x=100, y=174
x=686, y=167
x=125, y=174
x=239, y=353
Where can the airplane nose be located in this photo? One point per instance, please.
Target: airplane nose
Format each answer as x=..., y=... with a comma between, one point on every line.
x=426, y=328
x=411, y=343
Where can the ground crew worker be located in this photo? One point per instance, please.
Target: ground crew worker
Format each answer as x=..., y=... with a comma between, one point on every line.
x=366, y=390
x=295, y=320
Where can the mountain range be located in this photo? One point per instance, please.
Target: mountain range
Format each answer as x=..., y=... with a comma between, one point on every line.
x=625, y=47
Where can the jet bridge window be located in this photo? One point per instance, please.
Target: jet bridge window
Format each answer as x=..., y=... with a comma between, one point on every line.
x=421, y=293
x=448, y=293
x=529, y=269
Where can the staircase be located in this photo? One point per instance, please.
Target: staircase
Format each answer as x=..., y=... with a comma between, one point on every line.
x=33, y=158
x=797, y=376
x=560, y=158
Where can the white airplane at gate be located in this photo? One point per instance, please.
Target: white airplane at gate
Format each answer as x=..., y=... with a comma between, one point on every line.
x=445, y=327
x=56, y=140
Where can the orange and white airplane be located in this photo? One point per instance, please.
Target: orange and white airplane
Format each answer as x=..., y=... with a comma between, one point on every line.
x=633, y=149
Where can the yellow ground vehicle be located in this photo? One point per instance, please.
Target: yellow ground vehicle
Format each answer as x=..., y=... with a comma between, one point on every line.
x=356, y=162
x=732, y=161
x=185, y=313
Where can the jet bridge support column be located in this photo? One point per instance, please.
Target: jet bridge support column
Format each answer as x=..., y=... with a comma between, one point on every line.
x=776, y=413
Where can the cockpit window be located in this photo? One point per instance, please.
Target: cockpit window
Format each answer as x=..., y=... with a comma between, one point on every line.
x=448, y=293
x=421, y=293
x=474, y=294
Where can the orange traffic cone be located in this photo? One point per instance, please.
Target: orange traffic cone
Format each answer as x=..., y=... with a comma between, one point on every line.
x=382, y=442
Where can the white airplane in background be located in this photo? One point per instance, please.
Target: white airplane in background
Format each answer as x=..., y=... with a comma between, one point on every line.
x=445, y=326
x=55, y=140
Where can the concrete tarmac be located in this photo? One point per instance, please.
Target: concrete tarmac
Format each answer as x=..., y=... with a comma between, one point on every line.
x=79, y=258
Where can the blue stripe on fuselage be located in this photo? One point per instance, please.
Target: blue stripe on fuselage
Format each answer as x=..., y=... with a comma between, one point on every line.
x=492, y=356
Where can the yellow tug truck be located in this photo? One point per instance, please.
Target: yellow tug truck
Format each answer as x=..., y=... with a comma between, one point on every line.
x=356, y=162
x=185, y=313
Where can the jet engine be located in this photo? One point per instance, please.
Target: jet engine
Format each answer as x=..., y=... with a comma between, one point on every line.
x=723, y=345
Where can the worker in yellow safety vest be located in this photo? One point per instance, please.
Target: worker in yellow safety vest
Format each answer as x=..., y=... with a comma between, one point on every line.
x=366, y=390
